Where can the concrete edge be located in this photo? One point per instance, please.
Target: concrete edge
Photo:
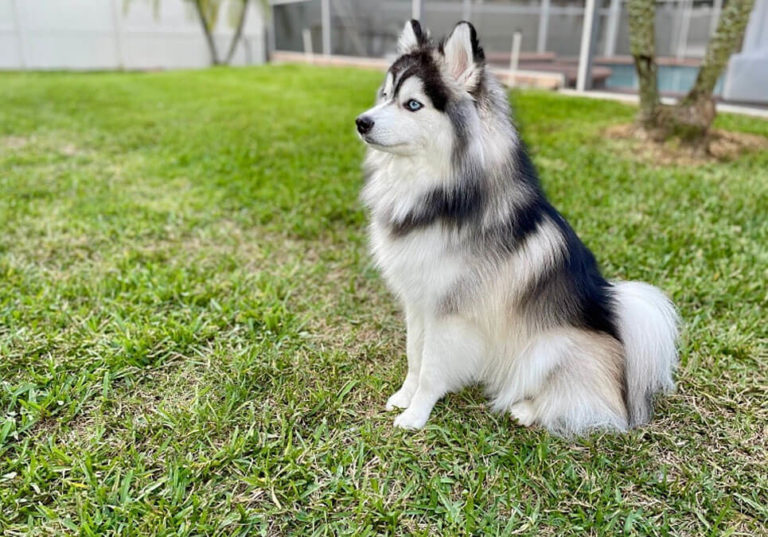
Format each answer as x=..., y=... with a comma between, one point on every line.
x=633, y=99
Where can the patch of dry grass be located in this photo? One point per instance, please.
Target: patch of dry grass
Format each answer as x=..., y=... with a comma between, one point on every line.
x=722, y=146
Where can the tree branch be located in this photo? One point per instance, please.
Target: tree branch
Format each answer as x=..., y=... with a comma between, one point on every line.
x=207, y=32
x=730, y=30
x=238, y=33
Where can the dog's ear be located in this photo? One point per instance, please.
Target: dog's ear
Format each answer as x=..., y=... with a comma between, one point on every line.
x=412, y=37
x=464, y=58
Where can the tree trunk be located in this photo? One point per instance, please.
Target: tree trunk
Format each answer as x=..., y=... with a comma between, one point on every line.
x=207, y=31
x=692, y=117
x=642, y=44
x=238, y=33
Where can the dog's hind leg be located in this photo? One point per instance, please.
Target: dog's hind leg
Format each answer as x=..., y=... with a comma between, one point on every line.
x=585, y=390
x=414, y=320
x=450, y=360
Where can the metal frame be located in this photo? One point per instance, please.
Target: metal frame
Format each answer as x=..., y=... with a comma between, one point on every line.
x=592, y=13
x=587, y=50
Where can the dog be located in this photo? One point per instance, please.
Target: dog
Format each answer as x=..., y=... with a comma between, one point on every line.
x=497, y=288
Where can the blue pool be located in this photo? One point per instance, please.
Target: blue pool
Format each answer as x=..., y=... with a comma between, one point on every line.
x=672, y=78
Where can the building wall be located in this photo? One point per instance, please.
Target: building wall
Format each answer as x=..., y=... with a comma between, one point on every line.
x=115, y=34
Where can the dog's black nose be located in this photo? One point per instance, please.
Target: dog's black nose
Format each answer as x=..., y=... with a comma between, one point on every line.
x=364, y=124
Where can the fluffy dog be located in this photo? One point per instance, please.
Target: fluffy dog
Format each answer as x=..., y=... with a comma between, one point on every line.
x=496, y=286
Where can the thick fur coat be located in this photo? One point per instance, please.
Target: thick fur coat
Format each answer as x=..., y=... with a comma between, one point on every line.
x=496, y=286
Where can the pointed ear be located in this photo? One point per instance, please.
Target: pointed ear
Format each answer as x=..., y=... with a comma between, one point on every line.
x=412, y=37
x=464, y=57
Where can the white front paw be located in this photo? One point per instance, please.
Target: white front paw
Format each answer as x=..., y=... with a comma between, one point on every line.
x=411, y=419
x=524, y=413
x=400, y=399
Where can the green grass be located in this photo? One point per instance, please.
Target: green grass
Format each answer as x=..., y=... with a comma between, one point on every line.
x=193, y=340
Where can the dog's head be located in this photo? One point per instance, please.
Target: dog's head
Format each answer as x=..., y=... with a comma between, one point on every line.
x=428, y=93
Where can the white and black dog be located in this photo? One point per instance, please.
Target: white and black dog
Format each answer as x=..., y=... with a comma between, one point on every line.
x=497, y=288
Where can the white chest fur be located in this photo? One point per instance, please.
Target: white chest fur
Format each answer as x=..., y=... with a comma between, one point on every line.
x=421, y=267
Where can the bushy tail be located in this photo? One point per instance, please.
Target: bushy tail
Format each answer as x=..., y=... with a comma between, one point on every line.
x=648, y=327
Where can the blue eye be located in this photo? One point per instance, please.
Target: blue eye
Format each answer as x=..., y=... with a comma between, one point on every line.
x=413, y=105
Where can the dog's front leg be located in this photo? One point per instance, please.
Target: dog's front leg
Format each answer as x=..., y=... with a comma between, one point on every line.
x=414, y=320
x=452, y=350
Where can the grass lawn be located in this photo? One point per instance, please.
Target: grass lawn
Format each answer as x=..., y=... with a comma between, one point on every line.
x=193, y=339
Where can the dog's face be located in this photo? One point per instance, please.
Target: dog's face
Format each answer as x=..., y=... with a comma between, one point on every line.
x=416, y=106
x=405, y=119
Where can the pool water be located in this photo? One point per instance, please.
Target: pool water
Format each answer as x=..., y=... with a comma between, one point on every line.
x=672, y=78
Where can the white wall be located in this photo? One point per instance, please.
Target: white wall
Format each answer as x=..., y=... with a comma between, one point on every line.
x=747, y=76
x=100, y=34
